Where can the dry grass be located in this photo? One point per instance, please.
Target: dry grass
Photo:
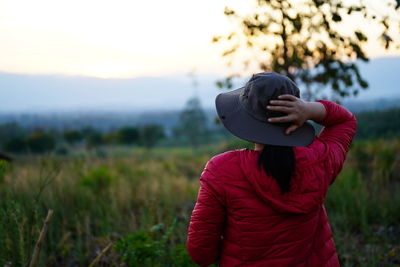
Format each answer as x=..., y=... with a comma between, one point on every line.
x=98, y=199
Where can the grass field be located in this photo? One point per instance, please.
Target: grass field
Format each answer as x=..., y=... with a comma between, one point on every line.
x=137, y=203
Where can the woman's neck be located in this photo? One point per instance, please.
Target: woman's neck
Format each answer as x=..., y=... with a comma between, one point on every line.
x=258, y=147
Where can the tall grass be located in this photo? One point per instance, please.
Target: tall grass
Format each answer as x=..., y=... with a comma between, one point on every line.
x=138, y=199
x=364, y=205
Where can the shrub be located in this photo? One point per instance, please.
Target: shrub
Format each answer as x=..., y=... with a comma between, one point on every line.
x=73, y=136
x=150, y=135
x=139, y=249
x=16, y=145
x=128, y=135
x=3, y=169
x=153, y=248
x=40, y=142
x=97, y=179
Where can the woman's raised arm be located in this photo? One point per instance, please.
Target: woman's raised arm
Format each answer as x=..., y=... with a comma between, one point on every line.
x=339, y=124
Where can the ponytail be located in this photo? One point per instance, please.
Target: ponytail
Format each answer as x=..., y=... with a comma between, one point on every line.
x=279, y=162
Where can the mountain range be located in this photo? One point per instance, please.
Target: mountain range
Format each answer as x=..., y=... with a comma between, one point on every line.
x=22, y=93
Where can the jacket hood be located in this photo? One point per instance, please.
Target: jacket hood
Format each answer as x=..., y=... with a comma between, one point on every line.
x=305, y=190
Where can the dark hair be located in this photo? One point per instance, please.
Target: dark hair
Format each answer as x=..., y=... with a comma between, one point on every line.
x=279, y=162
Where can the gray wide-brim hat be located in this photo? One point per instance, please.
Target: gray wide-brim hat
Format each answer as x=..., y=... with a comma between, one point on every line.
x=244, y=112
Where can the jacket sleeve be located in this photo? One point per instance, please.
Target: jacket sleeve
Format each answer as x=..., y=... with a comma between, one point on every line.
x=206, y=223
x=338, y=132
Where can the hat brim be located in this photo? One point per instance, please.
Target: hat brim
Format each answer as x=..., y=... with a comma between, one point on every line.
x=236, y=119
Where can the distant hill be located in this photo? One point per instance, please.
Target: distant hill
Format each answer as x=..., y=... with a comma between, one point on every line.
x=42, y=93
x=372, y=104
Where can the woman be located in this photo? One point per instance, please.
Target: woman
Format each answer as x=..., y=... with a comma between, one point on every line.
x=264, y=207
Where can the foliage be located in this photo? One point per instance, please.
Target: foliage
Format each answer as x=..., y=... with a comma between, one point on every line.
x=4, y=166
x=378, y=124
x=40, y=142
x=150, y=135
x=10, y=131
x=16, y=145
x=304, y=40
x=152, y=248
x=193, y=123
x=94, y=139
x=73, y=136
x=98, y=179
x=139, y=248
x=128, y=135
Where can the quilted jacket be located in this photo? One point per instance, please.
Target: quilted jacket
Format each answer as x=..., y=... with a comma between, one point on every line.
x=242, y=219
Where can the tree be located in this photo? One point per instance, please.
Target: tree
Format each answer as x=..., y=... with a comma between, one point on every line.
x=40, y=142
x=301, y=39
x=10, y=131
x=193, y=123
x=150, y=135
x=16, y=145
x=128, y=135
x=94, y=139
x=73, y=136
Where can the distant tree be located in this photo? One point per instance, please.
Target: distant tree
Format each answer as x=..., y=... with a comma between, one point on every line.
x=94, y=139
x=73, y=136
x=11, y=130
x=111, y=138
x=87, y=131
x=301, y=39
x=128, y=135
x=150, y=135
x=16, y=145
x=40, y=142
x=193, y=123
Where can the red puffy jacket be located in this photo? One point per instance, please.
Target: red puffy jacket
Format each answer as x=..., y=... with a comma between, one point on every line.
x=242, y=219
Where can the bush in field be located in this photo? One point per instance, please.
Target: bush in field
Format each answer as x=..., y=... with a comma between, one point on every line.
x=139, y=248
x=110, y=138
x=363, y=158
x=11, y=130
x=153, y=249
x=73, y=136
x=62, y=151
x=150, y=135
x=180, y=256
x=16, y=145
x=128, y=135
x=94, y=139
x=4, y=166
x=40, y=142
x=378, y=124
x=97, y=179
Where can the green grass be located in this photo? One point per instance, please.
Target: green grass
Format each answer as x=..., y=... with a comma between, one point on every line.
x=141, y=202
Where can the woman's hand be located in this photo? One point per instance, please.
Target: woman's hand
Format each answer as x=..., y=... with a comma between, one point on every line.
x=298, y=111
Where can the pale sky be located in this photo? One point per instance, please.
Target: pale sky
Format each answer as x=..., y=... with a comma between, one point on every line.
x=119, y=38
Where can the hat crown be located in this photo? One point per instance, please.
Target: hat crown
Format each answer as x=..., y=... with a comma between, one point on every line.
x=261, y=89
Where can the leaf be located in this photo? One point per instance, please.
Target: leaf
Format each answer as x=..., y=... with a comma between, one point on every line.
x=361, y=36
x=216, y=39
x=364, y=84
x=386, y=39
x=336, y=17
x=157, y=227
x=229, y=12
x=297, y=24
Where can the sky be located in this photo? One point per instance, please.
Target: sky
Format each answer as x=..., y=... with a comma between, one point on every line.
x=119, y=38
